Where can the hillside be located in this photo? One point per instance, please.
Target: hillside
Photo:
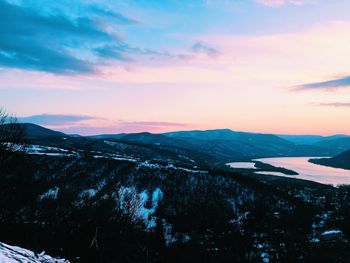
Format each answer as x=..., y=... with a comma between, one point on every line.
x=340, y=161
x=243, y=145
x=145, y=197
x=335, y=146
x=36, y=131
x=104, y=209
x=211, y=146
x=310, y=139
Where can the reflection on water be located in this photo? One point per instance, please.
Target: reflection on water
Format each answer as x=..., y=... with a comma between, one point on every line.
x=242, y=165
x=308, y=171
x=276, y=173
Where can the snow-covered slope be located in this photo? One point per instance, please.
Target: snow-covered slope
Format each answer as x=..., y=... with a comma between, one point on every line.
x=13, y=254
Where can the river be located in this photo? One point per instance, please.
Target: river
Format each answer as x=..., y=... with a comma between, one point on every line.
x=305, y=169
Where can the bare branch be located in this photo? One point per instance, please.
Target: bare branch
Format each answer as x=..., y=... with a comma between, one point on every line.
x=11, y=134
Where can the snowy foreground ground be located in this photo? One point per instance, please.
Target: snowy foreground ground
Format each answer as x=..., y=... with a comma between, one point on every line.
x=13, y=254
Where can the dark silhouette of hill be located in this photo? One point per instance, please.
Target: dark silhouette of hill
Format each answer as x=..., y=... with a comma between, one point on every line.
x=339, y=161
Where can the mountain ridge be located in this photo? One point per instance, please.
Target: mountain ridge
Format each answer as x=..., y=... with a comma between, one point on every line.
x=219, y=145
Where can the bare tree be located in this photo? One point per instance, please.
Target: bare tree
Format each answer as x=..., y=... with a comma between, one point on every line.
x=11, y=134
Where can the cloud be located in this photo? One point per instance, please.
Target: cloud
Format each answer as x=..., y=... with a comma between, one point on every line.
x=120, y=50
x=56, y=42
x=153, y=123
x=112, y=52
x=55, y=119
x=117, y=17
x=88, y=125
x=277, y=3
x=336, y=104
x=330, y=84
x=62, y=42
x=200, y=47
x=122, y=127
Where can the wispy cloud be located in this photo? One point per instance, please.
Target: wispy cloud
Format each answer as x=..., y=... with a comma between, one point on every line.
x=123, y=127
x=117, y=17
x=200, y=47
x=277, y=3
x=55, y=119
x=336, y=104
x=87, y=125
x=153, y=123
x=330, y=84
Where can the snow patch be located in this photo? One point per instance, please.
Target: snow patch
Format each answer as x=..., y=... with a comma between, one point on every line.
x=130, y=201
x=169, y=166
x=13, y=254
x=331, y=232
x=50, y=194
x=90, y=193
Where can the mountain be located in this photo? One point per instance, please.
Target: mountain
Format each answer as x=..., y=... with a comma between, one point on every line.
x=107, y=136
x=221, y=145
x=36, y=131
x=228, y=144
x=309, y=139
x=302, y=139
x=150, y=138
x=340, y=161
x=335, y=146
x=229, y=135
x=143, y=146
x=210, y=146
x=218, y=134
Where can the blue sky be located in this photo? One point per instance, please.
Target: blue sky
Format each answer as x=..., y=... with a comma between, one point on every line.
x=119, y=66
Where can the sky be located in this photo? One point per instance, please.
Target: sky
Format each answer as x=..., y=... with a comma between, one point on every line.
x=110, y=66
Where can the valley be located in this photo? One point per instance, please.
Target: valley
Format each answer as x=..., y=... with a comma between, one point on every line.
x=174, y=195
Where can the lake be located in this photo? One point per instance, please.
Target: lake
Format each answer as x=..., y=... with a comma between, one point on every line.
x=307, y=170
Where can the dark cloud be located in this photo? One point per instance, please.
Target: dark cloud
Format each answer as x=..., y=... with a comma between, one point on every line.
x=55, y=119
x=200, y=47
x=336, y=104
x=330, y=84
x=52, y=42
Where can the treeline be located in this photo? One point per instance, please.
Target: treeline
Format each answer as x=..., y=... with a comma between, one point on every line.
x=93, y=210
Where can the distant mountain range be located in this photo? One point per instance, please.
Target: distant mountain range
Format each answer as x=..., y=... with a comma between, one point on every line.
x=311, y=139
x=336, y=145
x=214, y=146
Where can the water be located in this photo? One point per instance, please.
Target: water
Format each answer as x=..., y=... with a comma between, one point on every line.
x=308, y=171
